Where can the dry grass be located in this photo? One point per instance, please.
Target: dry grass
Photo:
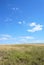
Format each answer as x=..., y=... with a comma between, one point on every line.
x=22, y=54
x=18, y=47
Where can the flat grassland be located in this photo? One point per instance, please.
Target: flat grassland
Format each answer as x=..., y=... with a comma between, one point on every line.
x=22, y=54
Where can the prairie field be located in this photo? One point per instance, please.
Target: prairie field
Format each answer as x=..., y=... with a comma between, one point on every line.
x=22, y=54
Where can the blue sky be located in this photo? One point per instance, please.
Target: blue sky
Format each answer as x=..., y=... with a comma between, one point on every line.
x=21, y=21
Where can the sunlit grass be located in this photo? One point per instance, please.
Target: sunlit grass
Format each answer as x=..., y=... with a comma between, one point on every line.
x=22, y=54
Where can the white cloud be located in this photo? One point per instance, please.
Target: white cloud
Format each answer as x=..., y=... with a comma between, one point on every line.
x=19, y=22
x=37, y=41
x=3, y=38
x=36, y=27
x=27, y=37
x=24, y=39
x=6, y=37
x=15, y=8
x=20, y=39
x=32, y=24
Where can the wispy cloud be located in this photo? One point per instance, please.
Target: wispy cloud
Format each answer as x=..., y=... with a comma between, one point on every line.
x=3, y=38
x=24, y=39
x=6, y=37
x=37, y=41
x=15, y=8
x=21, y=22
x=8, y=19
x=12, y=7
x=27, y=37
x=36, y=27
x=20, y=39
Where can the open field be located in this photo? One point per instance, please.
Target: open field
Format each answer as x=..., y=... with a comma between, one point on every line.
x=22, y=54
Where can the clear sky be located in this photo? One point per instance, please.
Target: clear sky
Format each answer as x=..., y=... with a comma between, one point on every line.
x=21, y=21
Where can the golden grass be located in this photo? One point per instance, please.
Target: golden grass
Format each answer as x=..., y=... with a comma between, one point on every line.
x=17, y=47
